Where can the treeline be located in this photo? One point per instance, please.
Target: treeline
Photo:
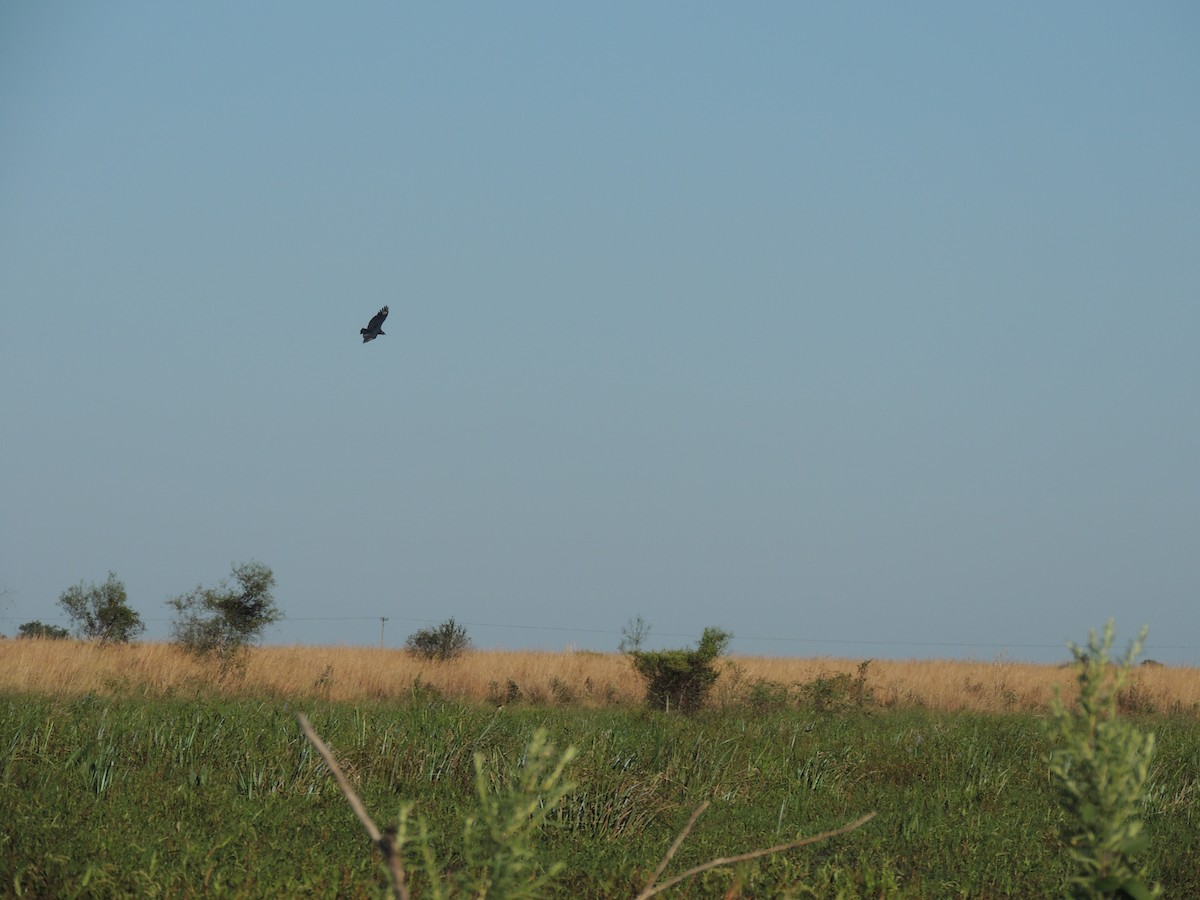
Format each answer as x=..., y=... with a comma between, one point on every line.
x=207, y=620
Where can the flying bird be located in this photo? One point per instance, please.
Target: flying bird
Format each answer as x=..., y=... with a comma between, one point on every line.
x=375, y=328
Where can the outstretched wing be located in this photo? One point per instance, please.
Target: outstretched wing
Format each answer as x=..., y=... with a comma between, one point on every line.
x=377, y=320
x=375, y=327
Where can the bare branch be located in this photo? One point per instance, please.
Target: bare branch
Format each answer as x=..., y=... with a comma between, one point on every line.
x=678, y=842
x=652, y=889
x=385, y=842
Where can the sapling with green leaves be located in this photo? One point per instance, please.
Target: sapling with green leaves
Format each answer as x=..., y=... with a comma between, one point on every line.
x=1098, y=769
x=498, y=837
x=680, y=679
x=498, y=840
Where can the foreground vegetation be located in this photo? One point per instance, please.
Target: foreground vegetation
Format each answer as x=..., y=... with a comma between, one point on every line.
x=144, y=769
x=186, y=796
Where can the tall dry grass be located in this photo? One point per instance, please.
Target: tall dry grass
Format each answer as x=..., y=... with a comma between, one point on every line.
x=70, y=668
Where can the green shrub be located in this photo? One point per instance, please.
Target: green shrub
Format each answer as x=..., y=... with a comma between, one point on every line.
x=36, y=629
x=1099, y=771
x=681, y=679
x=444, y=642
x=498, y=840
x=831, y=693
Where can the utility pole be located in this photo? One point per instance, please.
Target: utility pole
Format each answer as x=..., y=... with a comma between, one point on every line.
x=382, y=619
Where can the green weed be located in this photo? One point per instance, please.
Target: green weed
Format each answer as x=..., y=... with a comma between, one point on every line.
x=1099, y=770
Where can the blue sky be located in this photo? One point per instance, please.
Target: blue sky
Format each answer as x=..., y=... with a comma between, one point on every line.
x=855, y=329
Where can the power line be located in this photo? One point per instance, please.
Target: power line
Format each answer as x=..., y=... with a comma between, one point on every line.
x=994, y=645
x=740, y=637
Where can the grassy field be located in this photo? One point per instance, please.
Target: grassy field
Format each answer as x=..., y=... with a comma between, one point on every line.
x=136, y=771
x=568, y=678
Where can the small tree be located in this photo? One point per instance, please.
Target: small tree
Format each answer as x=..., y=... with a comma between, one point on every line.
x=1099, y=772
x=446, y=641
x=681, y=679
x=36, y=629
x=101, y=611
x=633, y=635
x=226, y=619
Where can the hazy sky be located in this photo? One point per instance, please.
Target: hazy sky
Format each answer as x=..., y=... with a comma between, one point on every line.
x=855, y=329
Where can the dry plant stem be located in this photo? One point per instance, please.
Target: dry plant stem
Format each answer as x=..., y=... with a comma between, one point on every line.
x=384, y=842
x=652, y=889
x=678, y=842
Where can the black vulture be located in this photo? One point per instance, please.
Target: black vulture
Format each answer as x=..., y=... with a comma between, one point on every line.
x=375, y=329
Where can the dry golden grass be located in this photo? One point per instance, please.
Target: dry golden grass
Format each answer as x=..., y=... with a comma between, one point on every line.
x=69, y=668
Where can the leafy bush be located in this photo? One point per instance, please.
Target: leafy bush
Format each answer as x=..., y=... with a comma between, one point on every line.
x=36, y=629
x=444, y=642
x=1099, y=773
x=831, y=693
x=101, y=611
x=225, y=619
x=681, y=679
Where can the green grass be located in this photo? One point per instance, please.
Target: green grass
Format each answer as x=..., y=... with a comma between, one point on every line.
x=163, y=797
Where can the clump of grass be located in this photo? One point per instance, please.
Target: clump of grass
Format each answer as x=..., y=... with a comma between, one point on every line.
x=561, y=691
x=765, y=695
x=505, y=695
